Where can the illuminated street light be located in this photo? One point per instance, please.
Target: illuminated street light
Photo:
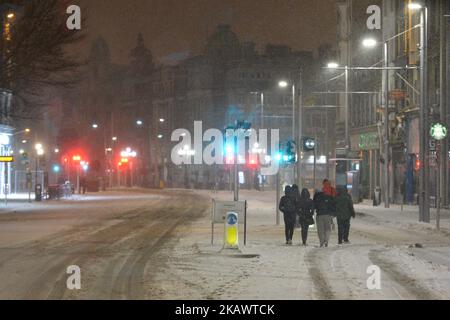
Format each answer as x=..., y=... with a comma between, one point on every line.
x=56, y=150
x=162, y=120
x=95, y=126
x=22, y=151
x=11, y=15
x=415, y=6
x=38, y=146
x=114, y=139
x=139, y=122
x=24, y=141
x=333, y=65
x=27, y=130
x=160, y=136
x=40, y=152
x=283, y=84
x=369, y=43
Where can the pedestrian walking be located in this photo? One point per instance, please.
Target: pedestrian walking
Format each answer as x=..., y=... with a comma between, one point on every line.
x=344, y=213
x=328, y=189
x=325, y=208
x=306, y=214
x=296, y=193
x=288, y=206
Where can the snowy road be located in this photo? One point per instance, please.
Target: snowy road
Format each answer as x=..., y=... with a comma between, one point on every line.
x=114, y=239
x=156, y=245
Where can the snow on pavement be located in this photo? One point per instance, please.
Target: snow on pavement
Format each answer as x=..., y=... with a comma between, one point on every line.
x=200, y=271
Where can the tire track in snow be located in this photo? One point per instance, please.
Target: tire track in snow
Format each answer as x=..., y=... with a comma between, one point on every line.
x=410, y=284
x=319, y=280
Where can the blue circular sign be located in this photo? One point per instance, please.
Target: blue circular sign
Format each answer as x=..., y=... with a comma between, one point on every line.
x=232, y=219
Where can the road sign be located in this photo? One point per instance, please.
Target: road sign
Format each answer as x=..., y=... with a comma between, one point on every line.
x=6, y=159
x=220, y=211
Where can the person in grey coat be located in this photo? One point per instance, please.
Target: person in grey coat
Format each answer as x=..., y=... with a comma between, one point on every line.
x=325, y=208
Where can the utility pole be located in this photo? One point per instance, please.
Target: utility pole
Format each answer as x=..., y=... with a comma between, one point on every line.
x=443, y=155
x=278, y=198
x=386, y=186
x=236, y=172
x=347, y=112
x=300, y=132
x=424, y=205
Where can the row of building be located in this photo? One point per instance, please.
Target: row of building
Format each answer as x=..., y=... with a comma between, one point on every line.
x=140, y=104
x=366, y=121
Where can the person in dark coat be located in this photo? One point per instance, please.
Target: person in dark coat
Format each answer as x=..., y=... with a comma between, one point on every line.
x=288, y=206
x=344, y=212
x=324, y=205
x=296, y=193
x=306, y=213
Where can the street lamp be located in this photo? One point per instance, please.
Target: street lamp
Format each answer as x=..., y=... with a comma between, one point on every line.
x=95, y=126
x=424, y=205
x=369, y=43
x=283, y=84
x=139, y=122
x=415, y=6
x=335, y=65
x=39, y=152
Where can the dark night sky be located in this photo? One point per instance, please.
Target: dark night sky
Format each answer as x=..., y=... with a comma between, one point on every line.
x=172, y=26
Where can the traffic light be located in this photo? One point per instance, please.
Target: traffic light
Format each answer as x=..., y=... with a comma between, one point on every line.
x=309, y=144
x=253, y=161
x=291, y=152
x=417, y=165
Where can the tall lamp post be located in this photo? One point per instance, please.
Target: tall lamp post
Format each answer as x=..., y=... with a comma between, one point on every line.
x=424, y=205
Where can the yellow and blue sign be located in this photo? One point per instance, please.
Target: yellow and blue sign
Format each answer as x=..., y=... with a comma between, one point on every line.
x=231, y=231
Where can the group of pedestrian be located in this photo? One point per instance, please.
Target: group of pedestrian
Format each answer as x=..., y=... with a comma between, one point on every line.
x=328, y=203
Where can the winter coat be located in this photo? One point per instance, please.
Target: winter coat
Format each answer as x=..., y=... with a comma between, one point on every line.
x=329, y=190
x=288, y=205
x=324, y=204
x=344, y=207
x=305, y=207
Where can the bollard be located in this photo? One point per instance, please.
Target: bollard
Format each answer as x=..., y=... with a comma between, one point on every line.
x=231, y=234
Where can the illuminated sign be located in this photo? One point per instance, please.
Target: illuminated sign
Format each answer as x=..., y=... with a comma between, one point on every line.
x=6, y=159
x=438, y=131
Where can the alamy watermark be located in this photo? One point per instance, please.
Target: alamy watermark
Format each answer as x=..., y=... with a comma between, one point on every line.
x=228, y=149
x=374, y=280
x=74, y=280
x=74, y=20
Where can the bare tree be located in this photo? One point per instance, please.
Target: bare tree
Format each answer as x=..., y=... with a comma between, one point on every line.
x=34, y=55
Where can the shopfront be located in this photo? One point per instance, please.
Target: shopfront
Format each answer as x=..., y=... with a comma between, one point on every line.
x=367, y=144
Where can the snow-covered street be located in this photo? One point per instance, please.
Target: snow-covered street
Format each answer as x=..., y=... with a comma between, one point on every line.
x=383, y=238
x=157, y=245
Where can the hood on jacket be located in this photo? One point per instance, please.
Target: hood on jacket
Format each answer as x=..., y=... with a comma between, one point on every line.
x=305, y=194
